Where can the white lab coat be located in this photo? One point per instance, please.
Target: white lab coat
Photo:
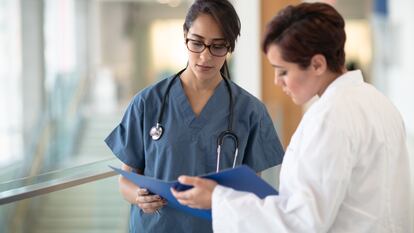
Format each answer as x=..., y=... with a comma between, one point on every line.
x=346, y=169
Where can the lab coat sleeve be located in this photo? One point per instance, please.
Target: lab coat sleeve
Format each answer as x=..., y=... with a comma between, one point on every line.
x=125, y=140
x=315, y=175
x=235, y=211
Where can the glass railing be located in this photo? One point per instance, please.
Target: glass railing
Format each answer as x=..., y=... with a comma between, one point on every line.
x=79, y=199
x=88, y=208
x=57, y=180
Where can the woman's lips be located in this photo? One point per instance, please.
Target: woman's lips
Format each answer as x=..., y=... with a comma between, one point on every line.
x=286, y=92
x=204, y=67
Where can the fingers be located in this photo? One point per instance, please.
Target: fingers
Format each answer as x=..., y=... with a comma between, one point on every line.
x=190, y=180
x=147, y=198
x=152, y=206
x=142, y=191
x=198, y=183
x=190, y=198
x=184, y=197
x=197, y=197
x=147, y=202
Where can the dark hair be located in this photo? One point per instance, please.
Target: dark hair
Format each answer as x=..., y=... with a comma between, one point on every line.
x=224, y=14
x=307, y=29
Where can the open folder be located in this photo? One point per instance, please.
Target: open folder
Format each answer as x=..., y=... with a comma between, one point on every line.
x=241, y=178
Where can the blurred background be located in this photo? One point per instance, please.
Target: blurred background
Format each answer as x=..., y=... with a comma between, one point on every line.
x=68, y=68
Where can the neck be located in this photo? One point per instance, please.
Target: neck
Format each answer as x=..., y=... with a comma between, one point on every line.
x=190, y=81
x=327, y=80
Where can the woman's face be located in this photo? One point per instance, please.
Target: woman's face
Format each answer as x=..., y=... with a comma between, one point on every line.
x=298, y=83
x=205, y=30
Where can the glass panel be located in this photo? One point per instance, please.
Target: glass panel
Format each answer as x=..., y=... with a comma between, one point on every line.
x=59, y=176
x=91, y=207
x=10, y=79
x=88, y=67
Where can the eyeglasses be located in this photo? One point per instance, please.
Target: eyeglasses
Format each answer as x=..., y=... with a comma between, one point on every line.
x=196, y=46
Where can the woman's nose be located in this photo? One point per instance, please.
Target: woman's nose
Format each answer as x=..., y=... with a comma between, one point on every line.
x=278, y=81
x=206, y=54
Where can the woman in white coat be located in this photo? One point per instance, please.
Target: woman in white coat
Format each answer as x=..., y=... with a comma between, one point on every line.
x=346, y=168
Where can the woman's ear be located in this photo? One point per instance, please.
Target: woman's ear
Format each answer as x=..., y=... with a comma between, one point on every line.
x=319, y=64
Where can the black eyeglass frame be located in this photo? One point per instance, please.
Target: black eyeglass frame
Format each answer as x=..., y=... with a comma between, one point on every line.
x=206, y=46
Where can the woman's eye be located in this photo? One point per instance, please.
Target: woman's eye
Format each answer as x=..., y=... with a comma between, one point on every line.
x=219, y=46
x=281, y=73
x=197, y=43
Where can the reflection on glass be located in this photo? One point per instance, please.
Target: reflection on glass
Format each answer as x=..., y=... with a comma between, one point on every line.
x=11, y=135
x=92, y=207
x=90, y=65
x=167, y=47
x=60, y=176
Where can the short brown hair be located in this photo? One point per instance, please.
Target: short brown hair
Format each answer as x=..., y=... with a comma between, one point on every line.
x=307, y=29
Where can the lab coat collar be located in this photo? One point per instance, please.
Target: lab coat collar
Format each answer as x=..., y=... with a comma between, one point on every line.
x=348, y=79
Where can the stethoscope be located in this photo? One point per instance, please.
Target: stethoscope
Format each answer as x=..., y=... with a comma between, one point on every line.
x=157, y=131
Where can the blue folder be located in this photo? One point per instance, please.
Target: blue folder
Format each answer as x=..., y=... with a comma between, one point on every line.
x=241, y=178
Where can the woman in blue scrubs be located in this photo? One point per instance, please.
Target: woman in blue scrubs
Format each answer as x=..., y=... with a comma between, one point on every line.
x=198, y=105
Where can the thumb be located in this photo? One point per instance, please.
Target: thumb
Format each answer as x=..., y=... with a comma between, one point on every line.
x=189, y=180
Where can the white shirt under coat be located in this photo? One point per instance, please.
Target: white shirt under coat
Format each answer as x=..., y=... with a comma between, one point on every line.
x=346, y=169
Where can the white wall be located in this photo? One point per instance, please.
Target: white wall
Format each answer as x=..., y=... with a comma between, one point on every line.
x=246, y=64
x=401, y=77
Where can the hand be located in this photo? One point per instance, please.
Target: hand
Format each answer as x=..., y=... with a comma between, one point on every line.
x=147, y=202
x=197, y=197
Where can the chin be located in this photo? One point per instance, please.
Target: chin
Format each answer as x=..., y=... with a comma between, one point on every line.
x=205, y=75
x=298, y=102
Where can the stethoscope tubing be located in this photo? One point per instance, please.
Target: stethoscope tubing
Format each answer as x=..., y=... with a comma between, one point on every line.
x=157, y=130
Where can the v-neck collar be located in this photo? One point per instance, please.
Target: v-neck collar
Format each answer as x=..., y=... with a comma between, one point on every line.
x=182, y=102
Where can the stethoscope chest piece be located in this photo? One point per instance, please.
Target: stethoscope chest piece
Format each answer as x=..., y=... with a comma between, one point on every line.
x=156, y=132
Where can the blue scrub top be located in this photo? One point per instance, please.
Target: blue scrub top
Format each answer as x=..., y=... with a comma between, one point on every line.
x=188, y=145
